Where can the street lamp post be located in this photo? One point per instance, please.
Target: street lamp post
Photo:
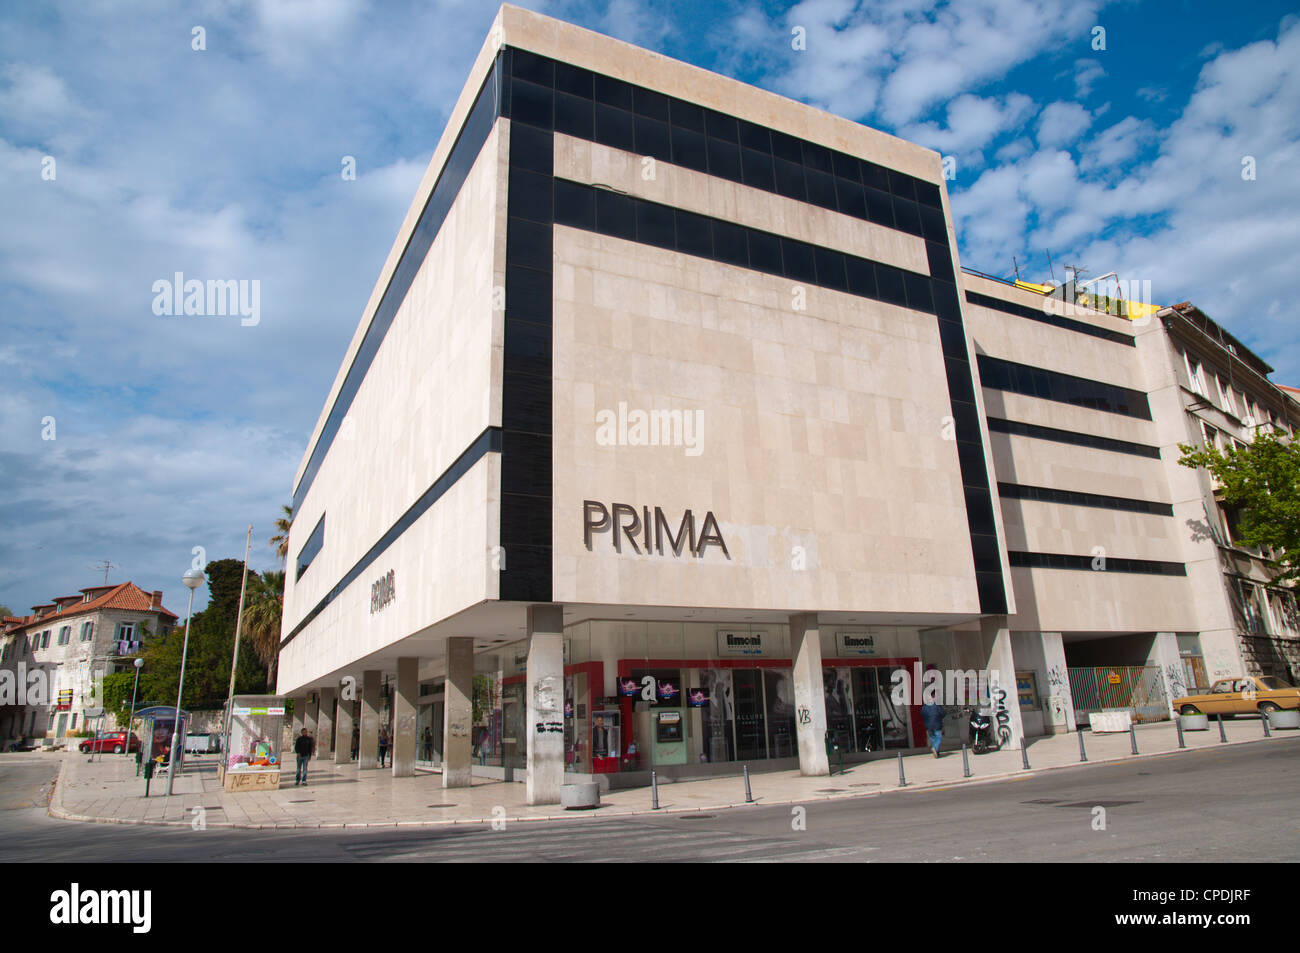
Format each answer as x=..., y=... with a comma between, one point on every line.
x=192, y=579
x=139, y=664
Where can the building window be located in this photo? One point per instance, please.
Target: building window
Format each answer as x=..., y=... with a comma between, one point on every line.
x=1195, y=374
x=65, y=635
x=311, y=548
x=87, y=631
x=45, y=639
x=1226, y=396
x=126, y=631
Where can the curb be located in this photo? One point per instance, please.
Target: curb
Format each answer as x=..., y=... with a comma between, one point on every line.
x=57, y=811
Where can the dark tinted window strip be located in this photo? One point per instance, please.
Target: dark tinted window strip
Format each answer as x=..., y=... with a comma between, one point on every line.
x=1044, y=494
x=460, y=160
x=639, y=220
x=998, y=374
x=1017, y=428
x=1043, y=317
x=489, y=441
x=310, y=548
x=526, y=412
x=800, y=155
x=1148, y=567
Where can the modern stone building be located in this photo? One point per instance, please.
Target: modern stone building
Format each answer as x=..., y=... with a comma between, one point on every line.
x=72, y=641
x=673, y=429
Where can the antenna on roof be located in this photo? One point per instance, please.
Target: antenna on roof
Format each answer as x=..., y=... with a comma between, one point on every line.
x=1050, y=269
x=1016, y=266
x=105, y=565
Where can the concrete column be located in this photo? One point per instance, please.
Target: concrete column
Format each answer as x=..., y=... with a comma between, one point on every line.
x=325, y=724
x=1164, y=653
x=1058, y=682
x=995, y=635
x=299, y=709
x=309, y=711
x=545, y=686
x=404, y=702
x=809, y=694
x=458, y=714
x=343, y=728
x=368, y=750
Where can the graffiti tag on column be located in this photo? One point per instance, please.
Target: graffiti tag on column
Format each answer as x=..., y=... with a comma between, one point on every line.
x=1175, y=675
x=549, y=726
x=1056, y=679
x=1003, y=716
x=805, y=716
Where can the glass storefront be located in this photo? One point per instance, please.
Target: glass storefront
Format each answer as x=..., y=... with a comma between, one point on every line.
x=641, y=695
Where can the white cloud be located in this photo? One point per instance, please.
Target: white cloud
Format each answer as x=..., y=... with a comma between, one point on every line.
x=972, y=122
x=1087, y=73
x=1061, y=124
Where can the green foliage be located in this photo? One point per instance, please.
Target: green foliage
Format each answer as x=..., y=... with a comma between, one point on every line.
x=262, y=618
x=117, y=692
x=211, y=644
x=1264, y=480
x=5, y=610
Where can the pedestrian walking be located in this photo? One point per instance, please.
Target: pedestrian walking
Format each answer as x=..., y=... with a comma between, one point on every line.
x=428, y=743
x=303, y=746
x=356, y=742
x=383, y=746
x=932, y=718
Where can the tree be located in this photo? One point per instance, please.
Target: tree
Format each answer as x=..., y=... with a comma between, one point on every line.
x=262, y=620
x=1263, y=480
x=5, y=610
x=280, y=541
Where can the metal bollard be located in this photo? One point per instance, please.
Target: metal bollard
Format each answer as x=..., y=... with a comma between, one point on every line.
x=1263, y=716
x=749, y=797
x=654, y=790
x=1132, y=738
x=1083, y=753
x=1178, y=723
x=965, y=762
x=902, y=779
x=1024, y=754
x=1223, y=738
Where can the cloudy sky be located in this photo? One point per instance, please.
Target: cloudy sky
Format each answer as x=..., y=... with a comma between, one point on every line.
x=126, y=156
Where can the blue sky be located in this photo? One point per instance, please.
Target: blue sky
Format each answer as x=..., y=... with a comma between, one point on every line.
x=172, y=433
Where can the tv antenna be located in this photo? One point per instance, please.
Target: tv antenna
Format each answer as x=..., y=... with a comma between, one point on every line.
x=105, y=566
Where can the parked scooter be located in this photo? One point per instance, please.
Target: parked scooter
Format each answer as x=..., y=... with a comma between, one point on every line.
x=981, y=731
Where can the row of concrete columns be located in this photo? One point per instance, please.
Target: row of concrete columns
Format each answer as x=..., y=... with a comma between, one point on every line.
x=545, y=704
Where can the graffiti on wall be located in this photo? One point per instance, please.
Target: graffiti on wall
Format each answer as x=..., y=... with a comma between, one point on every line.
x=1002, y=715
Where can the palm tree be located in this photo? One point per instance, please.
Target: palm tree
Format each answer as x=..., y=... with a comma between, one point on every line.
x=262, y=620
x=280, y=541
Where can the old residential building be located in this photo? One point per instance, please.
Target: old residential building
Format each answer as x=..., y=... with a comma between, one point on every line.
x=73, y=640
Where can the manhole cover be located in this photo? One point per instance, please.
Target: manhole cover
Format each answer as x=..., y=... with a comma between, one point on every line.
x=435, y=806
x=697, y=817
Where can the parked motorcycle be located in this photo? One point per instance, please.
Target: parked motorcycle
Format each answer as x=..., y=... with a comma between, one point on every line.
x=981, y=734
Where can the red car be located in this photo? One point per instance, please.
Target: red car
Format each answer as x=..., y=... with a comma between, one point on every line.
x=113, y=741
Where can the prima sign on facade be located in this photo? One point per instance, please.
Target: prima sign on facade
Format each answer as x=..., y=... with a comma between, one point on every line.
x=647, y=532
x=383, y=591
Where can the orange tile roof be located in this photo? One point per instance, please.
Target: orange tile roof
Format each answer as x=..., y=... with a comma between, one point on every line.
x=126, y=595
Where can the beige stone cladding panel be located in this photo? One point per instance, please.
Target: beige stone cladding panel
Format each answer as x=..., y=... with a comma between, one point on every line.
x=1024, y=341
x=594, y=164
x=571, y=44
x=441, y=565
x=1029, y=299
x=429, y=392
x=822, y=437
x=1038, y=527
x=1030, y=461
x=1069, y=600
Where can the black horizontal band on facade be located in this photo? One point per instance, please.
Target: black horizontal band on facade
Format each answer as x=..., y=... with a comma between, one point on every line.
x=997, y=374
x=489, y=441
x=310, y=548
x=1147, y=567
x=1046, y=317
x=1042, y=494
x=1020, y=429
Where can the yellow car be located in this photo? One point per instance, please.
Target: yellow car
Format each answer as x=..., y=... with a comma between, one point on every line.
x=1252, y=695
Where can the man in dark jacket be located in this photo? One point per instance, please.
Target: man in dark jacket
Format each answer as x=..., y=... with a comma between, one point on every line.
x=302, y=747
x=932, y=718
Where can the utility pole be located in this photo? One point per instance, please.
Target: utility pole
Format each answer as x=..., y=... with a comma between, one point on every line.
x=234, y=662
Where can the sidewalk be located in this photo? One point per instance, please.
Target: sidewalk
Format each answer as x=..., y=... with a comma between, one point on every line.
x=108, y=791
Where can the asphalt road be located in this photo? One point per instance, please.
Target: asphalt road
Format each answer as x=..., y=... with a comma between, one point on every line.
x=1234, y=804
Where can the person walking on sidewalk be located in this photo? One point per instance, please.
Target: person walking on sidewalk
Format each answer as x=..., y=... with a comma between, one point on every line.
x=932, y=718
x=383, y=745
x=303, y=747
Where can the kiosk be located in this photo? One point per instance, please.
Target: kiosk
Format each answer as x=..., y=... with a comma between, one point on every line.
x=251, y=760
